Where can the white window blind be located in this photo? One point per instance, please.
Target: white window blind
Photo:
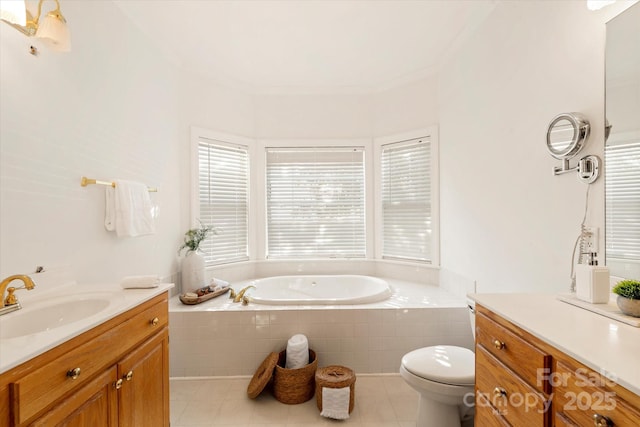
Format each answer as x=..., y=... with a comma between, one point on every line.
x=406, y=200
x=622, y=189
x=315, y=202
x=223, y=182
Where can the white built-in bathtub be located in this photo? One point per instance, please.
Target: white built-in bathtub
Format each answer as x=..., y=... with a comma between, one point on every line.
x=319, y=290
x=222, y=338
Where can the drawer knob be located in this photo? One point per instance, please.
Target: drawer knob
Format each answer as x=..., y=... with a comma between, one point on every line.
x=74, y=373
x=601, y=421
x=155, y=321
x=118, y=384
x=499, y=345
x=499, y=392
x=128, y=376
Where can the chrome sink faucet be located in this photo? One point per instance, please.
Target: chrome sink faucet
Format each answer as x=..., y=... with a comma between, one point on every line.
x=10, y=303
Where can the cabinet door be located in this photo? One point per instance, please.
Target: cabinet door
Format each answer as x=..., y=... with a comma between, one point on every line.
x=94, y=404
x=144, y=395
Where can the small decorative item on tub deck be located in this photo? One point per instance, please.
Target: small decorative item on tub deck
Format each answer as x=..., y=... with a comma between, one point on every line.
x=202, y=294
x=193, y=262
x=628, y=297
x=216, y=288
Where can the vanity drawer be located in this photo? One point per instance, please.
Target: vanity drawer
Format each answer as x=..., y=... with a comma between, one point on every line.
x=488, y=416
x=522, y=357
x=518, y=402
x=42, y=386
x=580, y=395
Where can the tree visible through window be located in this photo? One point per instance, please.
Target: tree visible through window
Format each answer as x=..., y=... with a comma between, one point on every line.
x=406, y=200
x=315, y=202
x=223, y=182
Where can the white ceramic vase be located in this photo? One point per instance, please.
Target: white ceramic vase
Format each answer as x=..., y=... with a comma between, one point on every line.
x=192, y=271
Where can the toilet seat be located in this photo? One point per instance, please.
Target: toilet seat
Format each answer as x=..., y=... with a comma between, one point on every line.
x=445, y=364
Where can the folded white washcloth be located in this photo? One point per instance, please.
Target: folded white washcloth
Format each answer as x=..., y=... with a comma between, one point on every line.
x=128, y=209
x=297, y=352
x=219, y=283
x=335, y=402
x=138, y=282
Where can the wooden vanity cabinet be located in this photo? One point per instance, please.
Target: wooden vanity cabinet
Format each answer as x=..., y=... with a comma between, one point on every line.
x=583, y=397
x=517, y=372
x=507, y=376
x=116, y=374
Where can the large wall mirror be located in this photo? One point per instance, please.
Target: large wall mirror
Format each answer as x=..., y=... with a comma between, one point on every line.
x=622, y=148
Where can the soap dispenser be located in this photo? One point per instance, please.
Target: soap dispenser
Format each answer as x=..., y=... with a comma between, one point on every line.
x=592, y=282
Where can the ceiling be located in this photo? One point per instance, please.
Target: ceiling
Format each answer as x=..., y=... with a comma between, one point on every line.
x=272, y=46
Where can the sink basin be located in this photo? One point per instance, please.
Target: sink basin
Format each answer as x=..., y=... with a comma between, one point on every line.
x=36, y=316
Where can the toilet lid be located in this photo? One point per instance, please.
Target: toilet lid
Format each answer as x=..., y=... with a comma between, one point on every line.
x=442, y=363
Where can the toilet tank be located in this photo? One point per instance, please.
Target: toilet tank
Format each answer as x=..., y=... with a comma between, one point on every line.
x=471, y=305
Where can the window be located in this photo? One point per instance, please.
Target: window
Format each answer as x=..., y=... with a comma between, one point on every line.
x=223, y=180
x=315, y=202
x=407, y=220
x=622, y=184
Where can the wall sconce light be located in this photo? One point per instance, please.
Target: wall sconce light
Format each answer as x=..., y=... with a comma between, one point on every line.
x=52, y=29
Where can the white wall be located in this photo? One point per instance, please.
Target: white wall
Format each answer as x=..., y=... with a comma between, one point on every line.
x=405, y=108
x=507, y=222
x=311, y=116
x=114, y=107
x=347, y=115
x=111, y=108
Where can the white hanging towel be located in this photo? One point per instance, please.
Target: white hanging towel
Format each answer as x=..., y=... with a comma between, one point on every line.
x=335, y=402
x=128, y=209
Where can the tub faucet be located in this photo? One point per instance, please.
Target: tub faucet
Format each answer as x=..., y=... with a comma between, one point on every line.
x=10, y=303
x=238, y=297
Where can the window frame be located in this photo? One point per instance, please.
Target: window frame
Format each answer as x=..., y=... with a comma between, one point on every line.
x=432, y=134
x=232, y=141
x=260, y=164
x=257, y=222
x=630, y=263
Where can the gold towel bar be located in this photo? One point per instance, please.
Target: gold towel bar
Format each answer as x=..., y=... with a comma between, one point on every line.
x=84, y=181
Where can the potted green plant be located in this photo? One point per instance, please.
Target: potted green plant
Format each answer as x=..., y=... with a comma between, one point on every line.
x=628, y=292
x=195, y=236
x=192, y=273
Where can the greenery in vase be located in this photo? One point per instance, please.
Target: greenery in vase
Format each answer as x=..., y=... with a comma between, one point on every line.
x=195, y=236
x=628, y=289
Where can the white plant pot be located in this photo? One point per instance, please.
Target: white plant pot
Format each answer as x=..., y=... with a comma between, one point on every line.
x=192, y=271
x=630, y=307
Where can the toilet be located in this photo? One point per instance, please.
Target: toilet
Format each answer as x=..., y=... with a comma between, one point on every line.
x=444, y=377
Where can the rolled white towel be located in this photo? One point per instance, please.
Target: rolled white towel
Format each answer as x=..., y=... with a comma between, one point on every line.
x=297, y=352
x=335, y=402
x=136, y=282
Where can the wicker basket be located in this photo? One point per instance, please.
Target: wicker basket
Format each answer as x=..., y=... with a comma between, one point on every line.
x=335, y=376
x=293, y=386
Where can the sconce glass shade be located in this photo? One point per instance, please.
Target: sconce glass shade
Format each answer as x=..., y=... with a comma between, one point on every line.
x=598, y=4
x=53, y=31
x=14, y=11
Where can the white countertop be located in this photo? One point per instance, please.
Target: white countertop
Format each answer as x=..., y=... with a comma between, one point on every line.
x=16, y=350
x=605, y=345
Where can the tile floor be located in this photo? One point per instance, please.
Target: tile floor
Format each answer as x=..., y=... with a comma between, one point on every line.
x=380, y=401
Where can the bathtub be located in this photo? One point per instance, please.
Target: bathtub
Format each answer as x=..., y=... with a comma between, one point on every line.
x=223, y=338
x=319, y=290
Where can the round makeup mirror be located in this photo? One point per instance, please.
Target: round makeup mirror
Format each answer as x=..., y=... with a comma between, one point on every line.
x=566, y=135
